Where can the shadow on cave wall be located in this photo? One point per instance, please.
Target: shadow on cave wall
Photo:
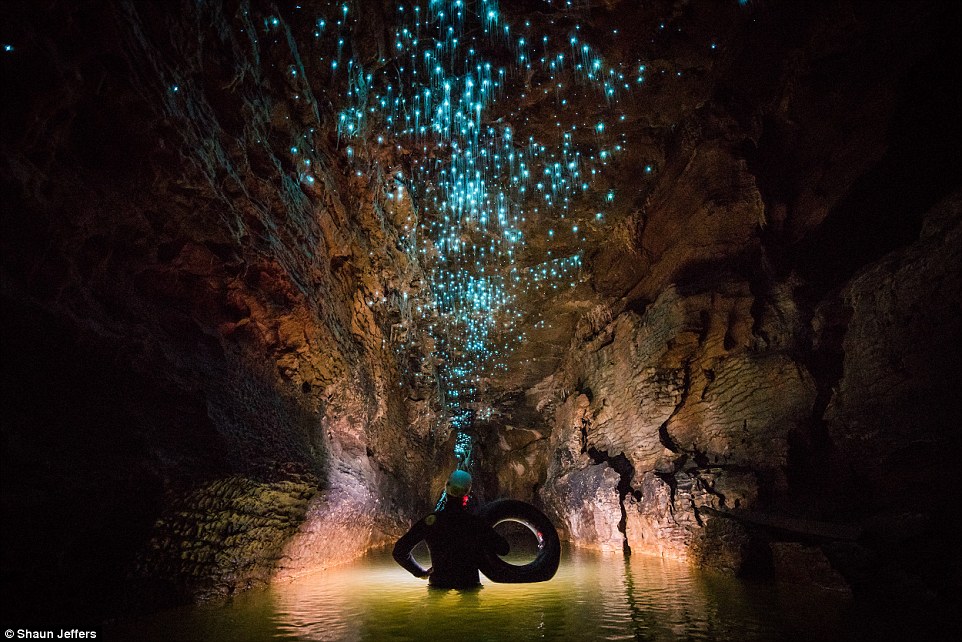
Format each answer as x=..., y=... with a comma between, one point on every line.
x=181, y=319
x=120, y=492
x=89, y=448
x=883, y=209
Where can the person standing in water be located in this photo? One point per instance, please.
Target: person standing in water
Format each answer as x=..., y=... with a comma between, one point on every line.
x=455, y=537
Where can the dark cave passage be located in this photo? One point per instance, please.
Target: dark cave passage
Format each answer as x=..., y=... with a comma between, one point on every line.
x=683, y=276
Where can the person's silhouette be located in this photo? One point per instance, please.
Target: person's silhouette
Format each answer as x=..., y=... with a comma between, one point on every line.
x=455, y=537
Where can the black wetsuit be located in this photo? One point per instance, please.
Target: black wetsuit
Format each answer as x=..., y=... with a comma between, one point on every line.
x=456, y=539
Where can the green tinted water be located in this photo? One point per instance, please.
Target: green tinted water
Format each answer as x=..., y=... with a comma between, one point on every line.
x=593, y=597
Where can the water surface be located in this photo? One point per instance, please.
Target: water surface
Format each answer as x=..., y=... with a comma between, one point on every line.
x=593, y=597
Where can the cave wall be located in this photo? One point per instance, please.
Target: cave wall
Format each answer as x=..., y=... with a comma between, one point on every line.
x=706, y=406
x=761, y=383
x=201, y=382
x=212, y=380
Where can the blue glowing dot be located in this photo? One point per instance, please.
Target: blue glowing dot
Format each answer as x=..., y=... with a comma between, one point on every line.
x=8, y=48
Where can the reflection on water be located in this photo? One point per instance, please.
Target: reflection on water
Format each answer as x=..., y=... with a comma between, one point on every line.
x=593, y=597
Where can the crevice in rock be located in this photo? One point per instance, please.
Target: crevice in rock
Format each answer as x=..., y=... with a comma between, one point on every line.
x=696, y=513
x=700, y=458
x=666, y=439
x=810, y=449
x=760, y=297
x=825, y=363
x=710, y=378
x=672, y=483
x=626, y=470
x=585, y=422
x=704, y=318
x=663, y=434
x=639, y=306
x=790, y=528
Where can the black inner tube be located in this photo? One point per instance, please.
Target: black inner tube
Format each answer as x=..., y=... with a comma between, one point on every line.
x=543, y=567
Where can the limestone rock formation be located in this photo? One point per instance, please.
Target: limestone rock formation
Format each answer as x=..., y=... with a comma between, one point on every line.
x=893, y=399
x=216, y=375
x=697, y=411
x=228, y=325
x=770, y=333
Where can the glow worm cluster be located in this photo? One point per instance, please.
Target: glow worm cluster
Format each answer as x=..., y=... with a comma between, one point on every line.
x=448, y=93
x=475, y=181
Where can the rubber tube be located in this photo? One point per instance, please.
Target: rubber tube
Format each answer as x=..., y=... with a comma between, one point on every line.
x=543, y=567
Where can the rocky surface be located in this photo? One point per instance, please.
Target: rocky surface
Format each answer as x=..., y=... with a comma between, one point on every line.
x=226, y=329
x=760, y=372
x=699, y=427
x=893, y=398
x=229, y=533
x=215, y=379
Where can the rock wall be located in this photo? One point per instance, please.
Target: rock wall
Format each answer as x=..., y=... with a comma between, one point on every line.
x=761, y=382
x=201, y=334
x=213, y=370
x=695, y=430
x=686, y=397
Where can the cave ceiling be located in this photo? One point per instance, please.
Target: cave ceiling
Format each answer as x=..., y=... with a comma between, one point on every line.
x=524, y=141
x=540, y=166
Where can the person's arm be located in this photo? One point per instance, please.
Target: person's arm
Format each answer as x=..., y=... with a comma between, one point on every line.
x=404, y=547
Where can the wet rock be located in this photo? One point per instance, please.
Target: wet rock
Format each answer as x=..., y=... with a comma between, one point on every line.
x=803, y=565
x=654, y=523
x=723, y=545
x=699, y=413
x=592, y=509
